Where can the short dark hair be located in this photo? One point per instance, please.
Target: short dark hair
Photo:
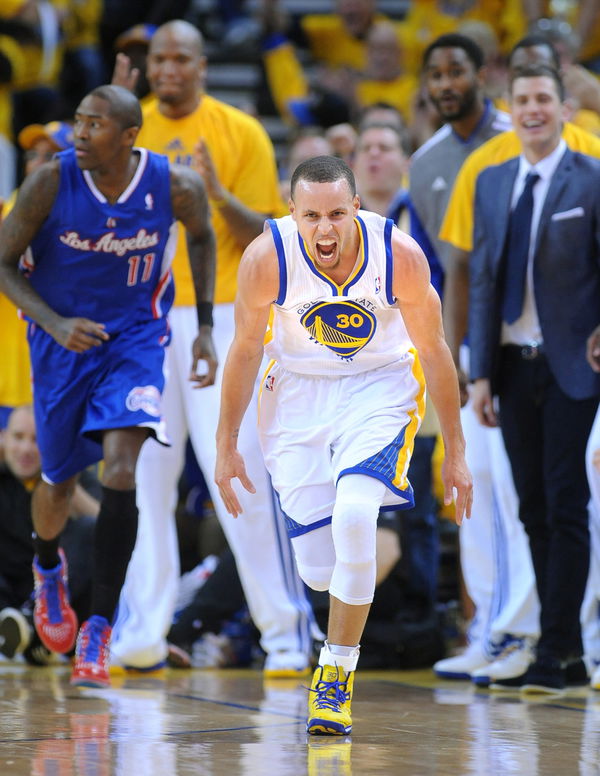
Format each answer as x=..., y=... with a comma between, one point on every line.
x=537, y=70
x=124, y=106
x=323, y=169
x=402, y=135
x=529, y=41
x=455, y=40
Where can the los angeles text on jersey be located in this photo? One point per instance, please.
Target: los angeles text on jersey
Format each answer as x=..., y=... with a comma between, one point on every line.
x=108, y=243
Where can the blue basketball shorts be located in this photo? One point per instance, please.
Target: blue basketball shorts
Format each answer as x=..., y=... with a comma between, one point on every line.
x=77, y=396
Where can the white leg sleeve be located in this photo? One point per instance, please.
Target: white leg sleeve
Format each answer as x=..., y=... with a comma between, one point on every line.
x=354, y=527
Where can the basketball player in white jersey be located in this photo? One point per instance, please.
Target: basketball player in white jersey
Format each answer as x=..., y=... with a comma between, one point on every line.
x=341, y=400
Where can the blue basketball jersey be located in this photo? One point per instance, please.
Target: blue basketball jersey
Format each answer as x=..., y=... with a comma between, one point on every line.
x=107, y=262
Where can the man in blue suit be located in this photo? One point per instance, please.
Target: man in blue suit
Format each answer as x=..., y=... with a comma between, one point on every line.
x=534, y=299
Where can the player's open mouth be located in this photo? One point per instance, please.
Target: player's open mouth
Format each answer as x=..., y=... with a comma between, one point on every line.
x=326, y=250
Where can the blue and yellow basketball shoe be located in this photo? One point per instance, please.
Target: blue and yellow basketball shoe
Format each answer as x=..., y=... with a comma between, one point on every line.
x=330, y=696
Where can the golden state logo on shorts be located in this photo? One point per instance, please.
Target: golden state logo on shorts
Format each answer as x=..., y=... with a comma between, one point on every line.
x=344, y=327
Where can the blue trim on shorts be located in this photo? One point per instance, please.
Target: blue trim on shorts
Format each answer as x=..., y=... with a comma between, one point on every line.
x=281, y=260
x=362, y=469
x=295, y=529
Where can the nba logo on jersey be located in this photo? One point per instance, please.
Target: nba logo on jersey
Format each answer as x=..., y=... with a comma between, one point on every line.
x=270, y=383
x=149, y=201
x=111, y=223
x=377, y=284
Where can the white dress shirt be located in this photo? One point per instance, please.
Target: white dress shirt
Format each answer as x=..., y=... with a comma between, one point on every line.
x=526, y=330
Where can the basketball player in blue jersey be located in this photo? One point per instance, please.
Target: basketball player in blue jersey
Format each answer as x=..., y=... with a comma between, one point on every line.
x=341, y=400
x=95, y=227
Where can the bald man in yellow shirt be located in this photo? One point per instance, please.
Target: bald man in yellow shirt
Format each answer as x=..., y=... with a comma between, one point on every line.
x=235, y=157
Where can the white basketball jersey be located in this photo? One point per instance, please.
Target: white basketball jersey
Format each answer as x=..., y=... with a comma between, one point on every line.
x=320, y=328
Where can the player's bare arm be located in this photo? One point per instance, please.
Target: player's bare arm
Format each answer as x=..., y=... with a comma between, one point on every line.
x=245, y=224
x=34, y=203
x=258, y=283
x=421, y=310
x=190, y=206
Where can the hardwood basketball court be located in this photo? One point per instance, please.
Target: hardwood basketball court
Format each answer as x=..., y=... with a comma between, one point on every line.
x=217, y=722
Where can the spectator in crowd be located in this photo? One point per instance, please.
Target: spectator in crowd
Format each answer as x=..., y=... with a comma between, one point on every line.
x=306, y=143
x=531, y=294
x=500, y=637
x=39, y=143
x=18, y=477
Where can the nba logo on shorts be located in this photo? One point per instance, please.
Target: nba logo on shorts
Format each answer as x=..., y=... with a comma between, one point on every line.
x=145, y=398
x=270, y=382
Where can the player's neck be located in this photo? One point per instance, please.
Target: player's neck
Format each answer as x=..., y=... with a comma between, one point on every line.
x=181, y=109
x=465, y=126
x=112, y=181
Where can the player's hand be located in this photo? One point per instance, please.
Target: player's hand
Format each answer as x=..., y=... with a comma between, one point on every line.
x=458, y=486
x=593, y=349
x=230, y=465
x=203, y=349
x=483, y=403
x=204, y=166
x=79, y=334
x=124, y=75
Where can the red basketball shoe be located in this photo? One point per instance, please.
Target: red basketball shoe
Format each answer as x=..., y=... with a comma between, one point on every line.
x=55, y=621
x=92, y=654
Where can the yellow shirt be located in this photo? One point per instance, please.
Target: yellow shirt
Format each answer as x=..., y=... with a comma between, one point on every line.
x=331, y=43
x=245, y=162
x=399, y=93
x=426, y=20
x=457, y=227
x=15, y=374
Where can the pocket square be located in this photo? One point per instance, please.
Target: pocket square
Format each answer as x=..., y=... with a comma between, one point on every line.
x=574, y=212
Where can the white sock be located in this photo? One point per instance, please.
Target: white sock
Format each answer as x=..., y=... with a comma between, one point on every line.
x=338, y=655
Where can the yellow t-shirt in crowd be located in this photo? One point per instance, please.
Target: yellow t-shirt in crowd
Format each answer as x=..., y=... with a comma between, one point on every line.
x=457, y=227
x=331, y=43
x=428, y=19
x=15, y=375
x=400, y=93
x=244, y=159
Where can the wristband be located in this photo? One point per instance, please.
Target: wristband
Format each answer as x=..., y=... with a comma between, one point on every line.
x=204, y=311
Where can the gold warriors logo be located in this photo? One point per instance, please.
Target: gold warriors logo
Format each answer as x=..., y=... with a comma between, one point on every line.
x=344, y=327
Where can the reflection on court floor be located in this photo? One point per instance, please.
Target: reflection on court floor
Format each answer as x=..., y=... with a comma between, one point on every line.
x=212, y=723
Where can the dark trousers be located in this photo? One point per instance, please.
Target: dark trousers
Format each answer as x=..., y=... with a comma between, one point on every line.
x=545, y=433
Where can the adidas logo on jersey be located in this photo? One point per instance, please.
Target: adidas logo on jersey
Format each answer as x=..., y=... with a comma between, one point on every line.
x=174, y=145
x=439, y=184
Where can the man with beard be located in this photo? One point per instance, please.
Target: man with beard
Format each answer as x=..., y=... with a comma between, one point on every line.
x=505, y=623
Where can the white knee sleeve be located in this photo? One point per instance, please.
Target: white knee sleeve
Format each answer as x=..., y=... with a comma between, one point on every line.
x=316, y=577
x=354, y=529
x=315, y=557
